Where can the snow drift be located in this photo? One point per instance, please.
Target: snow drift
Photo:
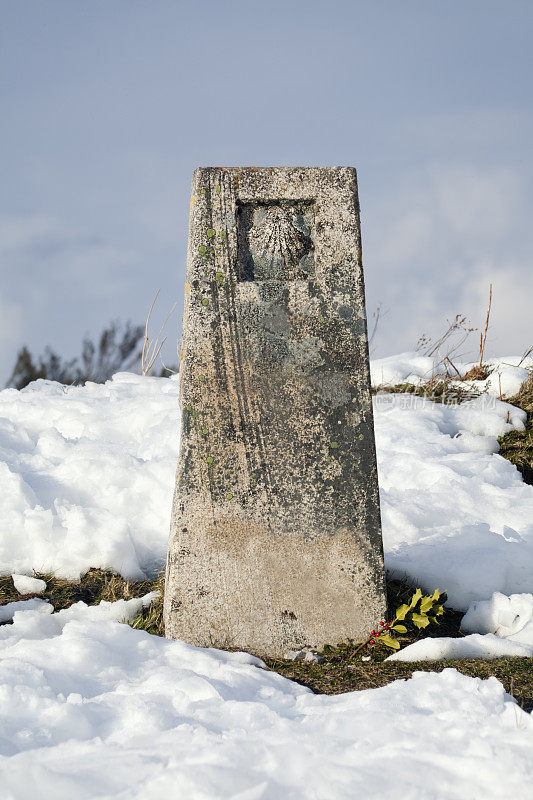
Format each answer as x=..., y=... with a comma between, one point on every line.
x=88, y=473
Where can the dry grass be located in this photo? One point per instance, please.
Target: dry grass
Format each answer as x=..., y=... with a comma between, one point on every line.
x=152, y=347
x=440, y=389
x=477, y=373
x=517, y=446
x=151, y=619
x=94, y=586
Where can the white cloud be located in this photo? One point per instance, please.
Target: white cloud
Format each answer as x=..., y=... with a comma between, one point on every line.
x=511, y=325
x=433, y=246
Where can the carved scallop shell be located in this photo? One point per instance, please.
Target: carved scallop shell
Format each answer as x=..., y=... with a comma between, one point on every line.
x=275, y=241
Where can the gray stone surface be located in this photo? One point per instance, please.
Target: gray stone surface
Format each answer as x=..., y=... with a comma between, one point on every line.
x=275, y=538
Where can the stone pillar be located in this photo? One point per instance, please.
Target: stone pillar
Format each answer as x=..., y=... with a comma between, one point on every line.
x=275, y=539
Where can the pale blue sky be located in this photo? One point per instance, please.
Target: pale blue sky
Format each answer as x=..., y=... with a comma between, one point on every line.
x=109, y=105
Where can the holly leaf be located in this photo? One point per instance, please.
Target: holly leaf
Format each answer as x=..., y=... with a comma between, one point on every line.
x=419, y=620
x=399, y=628
x=388, y=641
x=415, y=598
x=425, y=604
x=402, y=611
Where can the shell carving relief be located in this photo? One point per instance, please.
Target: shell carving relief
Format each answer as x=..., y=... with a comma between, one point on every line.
x=280, y=245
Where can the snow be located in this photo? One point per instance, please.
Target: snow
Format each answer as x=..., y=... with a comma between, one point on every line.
x=7, y=611
x=455, y=515
x=403, y=368
x=507, y=625
x=473, y=646
x=90, y=708
x=506, y=377
x=88, y=473
x=510, y=617
x=24, y=584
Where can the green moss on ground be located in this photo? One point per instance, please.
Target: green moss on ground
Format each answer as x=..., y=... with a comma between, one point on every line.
x=517, y=446
x=339, y=674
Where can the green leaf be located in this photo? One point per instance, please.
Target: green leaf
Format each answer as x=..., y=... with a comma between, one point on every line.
x=415, y=598
x=419, y=620
x=210, y=233
x=387, y=640
x=436, y=594
x=202, y=249
x=399, y=628
x=402, y=611
x=438, y=610
x=425, y=604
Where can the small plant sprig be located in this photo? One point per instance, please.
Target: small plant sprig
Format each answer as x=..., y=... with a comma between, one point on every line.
x=421, y=611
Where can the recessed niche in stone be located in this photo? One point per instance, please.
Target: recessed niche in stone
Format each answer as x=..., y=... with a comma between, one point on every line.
x=276, y=241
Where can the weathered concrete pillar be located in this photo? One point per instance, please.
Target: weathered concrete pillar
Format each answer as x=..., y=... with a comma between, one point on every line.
x=275, y=539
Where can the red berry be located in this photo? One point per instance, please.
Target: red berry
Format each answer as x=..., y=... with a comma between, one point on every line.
x=382, y=623
x=373, y=633
x=386, y=627
x=371, y=641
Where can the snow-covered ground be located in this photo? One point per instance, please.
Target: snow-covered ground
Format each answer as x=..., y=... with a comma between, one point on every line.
x=92, y=708
x=88, y=472
x=506, y=374
x=86, y=475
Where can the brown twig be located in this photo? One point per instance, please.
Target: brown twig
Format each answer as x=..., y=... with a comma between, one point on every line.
x=526, y=355
x=152, y=348
x=484, y=334
x=376, y=314
x=450, y=362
